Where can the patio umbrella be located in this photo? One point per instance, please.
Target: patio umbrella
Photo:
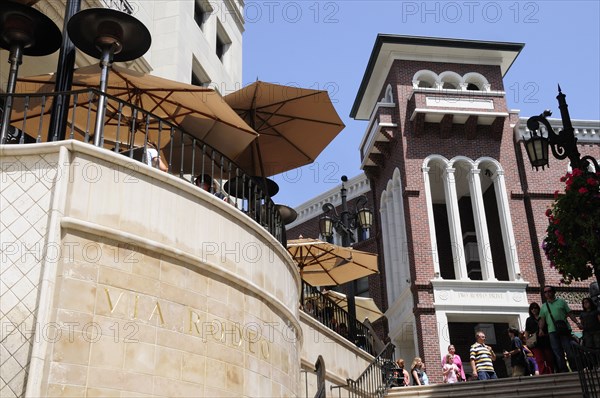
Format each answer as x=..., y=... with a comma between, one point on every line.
x=199, y=111
x=365, y=306
x=326, y=264
x=295, y=125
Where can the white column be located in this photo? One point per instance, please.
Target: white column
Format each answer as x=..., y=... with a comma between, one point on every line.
x=386, y=248
x=400, y=227
x=392, y=243
x=443, y=331
x=431, y=220
x=458, y=251
x=481, y=229
x=508, y=236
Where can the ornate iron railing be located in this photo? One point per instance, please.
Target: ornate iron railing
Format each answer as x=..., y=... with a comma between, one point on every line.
x=375, y=381
x=588, y=367
x=327, y=312
x=131, y=131
x=121, y=5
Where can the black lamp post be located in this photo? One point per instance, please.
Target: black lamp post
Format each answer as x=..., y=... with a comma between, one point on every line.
x=563, y=144
x=64, y=77
x=344, y=224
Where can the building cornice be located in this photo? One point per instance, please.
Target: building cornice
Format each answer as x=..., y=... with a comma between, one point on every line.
x=356, y=186
x=586, y=131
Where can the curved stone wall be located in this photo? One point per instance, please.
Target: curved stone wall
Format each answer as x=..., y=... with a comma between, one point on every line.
x=151, y=286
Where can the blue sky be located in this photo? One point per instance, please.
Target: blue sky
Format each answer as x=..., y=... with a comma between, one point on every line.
x=326, y=45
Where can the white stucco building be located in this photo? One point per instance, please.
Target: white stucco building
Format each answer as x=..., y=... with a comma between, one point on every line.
x=193, y=41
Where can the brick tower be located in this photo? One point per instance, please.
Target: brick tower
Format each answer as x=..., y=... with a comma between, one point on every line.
x=445, y=161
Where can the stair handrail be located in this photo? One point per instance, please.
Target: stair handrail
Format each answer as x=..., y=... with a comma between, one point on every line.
x=587, y=361
x=375, y=381
x=336, y=318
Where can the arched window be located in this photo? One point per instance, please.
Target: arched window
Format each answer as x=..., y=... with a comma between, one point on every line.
x=450, y=80
x=425, y=79
x=476, y=82
x=467, y=204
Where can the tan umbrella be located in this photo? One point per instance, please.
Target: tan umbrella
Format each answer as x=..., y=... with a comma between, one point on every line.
x=295, y=125
x=365, y=306
x=326, y=264
x=200, y=111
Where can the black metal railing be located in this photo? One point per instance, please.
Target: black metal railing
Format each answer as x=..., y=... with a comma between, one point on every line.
x=327, y=312
x=588, y=367
x=120, y=5
x=134, y=132
x=376, y=380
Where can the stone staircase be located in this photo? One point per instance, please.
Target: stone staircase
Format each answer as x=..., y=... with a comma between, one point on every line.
x=565, y=385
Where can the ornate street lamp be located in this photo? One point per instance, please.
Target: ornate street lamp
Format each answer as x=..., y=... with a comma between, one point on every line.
x=344, y=224
x=563, y=144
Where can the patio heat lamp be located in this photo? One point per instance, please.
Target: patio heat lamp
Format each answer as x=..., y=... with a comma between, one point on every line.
x=23, y=31
x=111, y=36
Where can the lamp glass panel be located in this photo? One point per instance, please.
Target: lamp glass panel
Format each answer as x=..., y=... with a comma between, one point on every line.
x=365, y=218
x=326, y=226
x=537, y=151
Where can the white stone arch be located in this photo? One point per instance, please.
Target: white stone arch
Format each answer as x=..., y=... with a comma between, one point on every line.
x=425, y=78
x=490, y=163
x=388, y=97
x=435, y=158
x=449, y=80
x=477, y=79
x=461, y=159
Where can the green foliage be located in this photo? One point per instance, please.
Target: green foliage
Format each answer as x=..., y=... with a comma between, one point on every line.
x=572, y=243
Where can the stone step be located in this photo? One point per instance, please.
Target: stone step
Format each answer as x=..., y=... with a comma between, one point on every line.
x=565, y=385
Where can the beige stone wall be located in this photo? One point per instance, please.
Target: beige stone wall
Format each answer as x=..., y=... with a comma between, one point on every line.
x=154, y=288
x=143, y=323
x=342, y=359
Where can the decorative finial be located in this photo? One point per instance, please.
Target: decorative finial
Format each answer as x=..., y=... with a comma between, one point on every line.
x=559, y=90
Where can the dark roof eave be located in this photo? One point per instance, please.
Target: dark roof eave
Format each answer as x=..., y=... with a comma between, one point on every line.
x=426, y=41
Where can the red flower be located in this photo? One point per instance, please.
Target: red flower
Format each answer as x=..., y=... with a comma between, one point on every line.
x=573, y=239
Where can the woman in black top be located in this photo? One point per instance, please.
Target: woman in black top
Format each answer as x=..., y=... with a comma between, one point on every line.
x=590, y=319
x=542, y=350
x=417, y=372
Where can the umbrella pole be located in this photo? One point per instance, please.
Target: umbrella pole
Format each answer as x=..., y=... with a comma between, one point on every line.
x=15, y=58
x=107, y=54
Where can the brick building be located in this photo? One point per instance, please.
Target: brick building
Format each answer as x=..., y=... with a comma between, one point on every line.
x=459, y=211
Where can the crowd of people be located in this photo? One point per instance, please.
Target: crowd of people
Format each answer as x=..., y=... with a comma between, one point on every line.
x=544, y=347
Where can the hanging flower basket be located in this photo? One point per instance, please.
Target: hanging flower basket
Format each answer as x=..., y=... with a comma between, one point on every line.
x=572, y=243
